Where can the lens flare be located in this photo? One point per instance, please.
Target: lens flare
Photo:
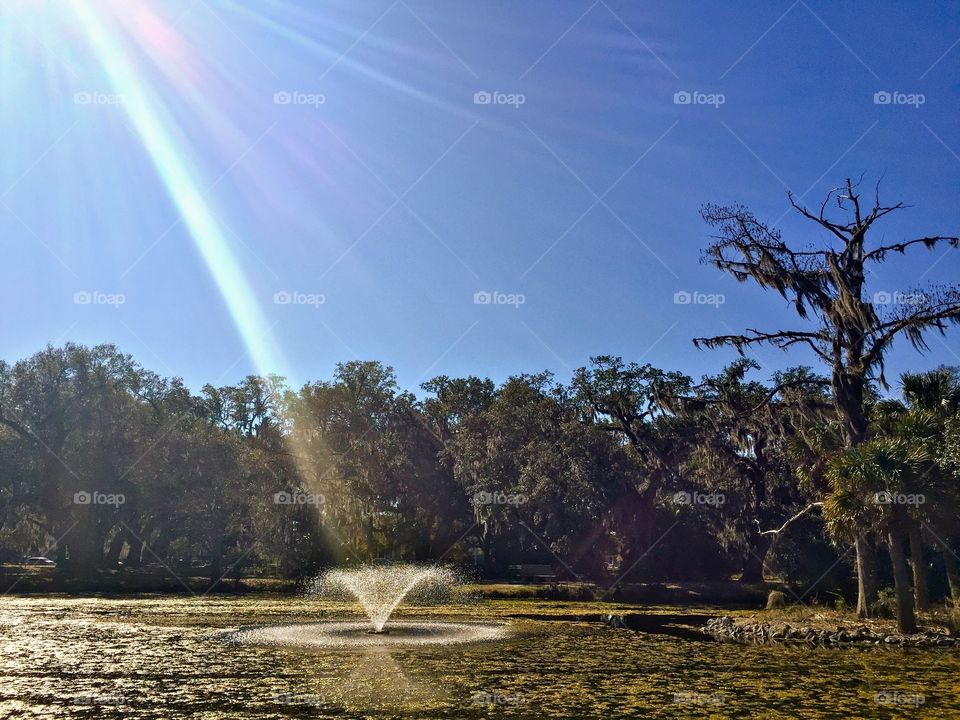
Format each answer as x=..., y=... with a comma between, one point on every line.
x=173, y=167
x=158, y=135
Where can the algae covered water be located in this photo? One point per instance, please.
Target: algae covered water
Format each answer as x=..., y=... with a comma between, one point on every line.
x=171, y=657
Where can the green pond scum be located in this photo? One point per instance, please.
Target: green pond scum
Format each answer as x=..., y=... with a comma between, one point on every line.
x=167, y=657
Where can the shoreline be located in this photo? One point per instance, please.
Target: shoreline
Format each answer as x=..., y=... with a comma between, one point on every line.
x=829, y=629
x=18, y=581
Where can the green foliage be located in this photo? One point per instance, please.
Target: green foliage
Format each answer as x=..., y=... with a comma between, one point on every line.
x=583, y=477
x=886, y=603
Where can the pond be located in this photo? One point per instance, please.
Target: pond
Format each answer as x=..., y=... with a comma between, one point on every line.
x=159, y=657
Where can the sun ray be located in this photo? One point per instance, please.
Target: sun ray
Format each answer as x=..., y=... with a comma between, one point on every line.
x=185, y=190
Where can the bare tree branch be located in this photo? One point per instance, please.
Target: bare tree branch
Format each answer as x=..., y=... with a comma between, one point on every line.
x=930, y=243
x=792, y=520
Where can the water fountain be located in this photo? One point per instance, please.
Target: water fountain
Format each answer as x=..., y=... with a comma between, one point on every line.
x=380, y=590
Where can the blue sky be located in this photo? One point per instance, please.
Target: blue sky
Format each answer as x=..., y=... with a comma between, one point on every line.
x=205, y=161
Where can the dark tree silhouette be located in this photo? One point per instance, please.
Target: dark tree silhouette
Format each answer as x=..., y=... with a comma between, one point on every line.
x=827, y=287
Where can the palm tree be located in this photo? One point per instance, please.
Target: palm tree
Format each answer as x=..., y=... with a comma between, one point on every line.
x=950, y=460
x=872, y=488
x=933, y=399
x=849, y=330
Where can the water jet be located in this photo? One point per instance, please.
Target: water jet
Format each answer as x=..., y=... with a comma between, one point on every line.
x=379, y=590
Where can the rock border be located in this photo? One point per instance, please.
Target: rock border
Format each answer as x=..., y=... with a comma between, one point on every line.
x=726, y=629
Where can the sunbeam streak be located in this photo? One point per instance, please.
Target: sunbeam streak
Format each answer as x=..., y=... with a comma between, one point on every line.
x=187, y=193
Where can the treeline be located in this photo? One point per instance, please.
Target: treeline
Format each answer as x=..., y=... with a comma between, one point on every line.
x=627, y=472
x=105, y=462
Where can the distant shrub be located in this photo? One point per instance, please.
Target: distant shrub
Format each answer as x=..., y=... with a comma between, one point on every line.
x=886, y=604
x=953, y=618
x=776, y=599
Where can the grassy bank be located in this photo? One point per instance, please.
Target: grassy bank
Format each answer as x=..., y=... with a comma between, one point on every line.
x=941, y=619
x=28, y=579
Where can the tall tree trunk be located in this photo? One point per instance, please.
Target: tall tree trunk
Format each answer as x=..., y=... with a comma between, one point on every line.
x=161, y=546
x=848, y=396
x=866, y=577
x=138, y=545
x=86, y=550
x=135, y=553
x=757, y=545
x=753, y=565
x=216, y=562
x=116, y=547
x=486, y=539
x=906, y=620
x=953, y=575
x=920, y=592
